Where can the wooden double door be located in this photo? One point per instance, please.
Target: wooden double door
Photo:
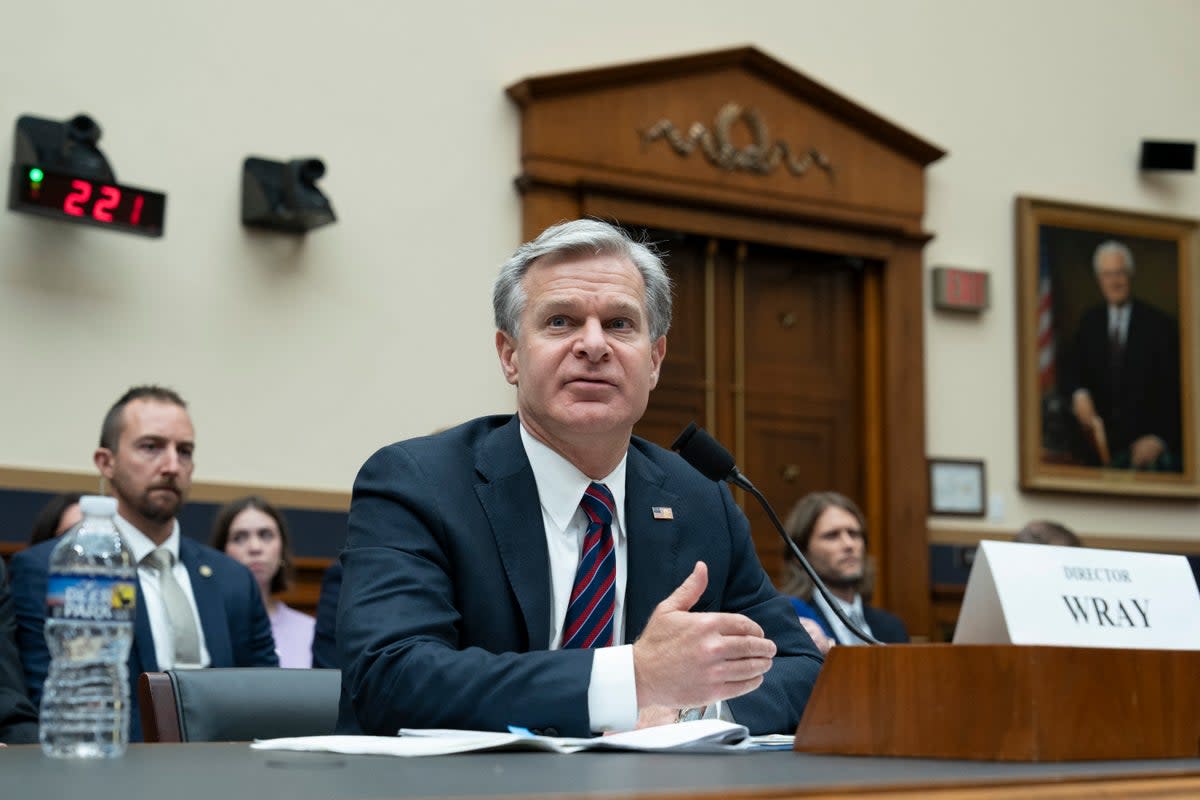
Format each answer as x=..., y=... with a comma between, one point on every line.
x=766, y=352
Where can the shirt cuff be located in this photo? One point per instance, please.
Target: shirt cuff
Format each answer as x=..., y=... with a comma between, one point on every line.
x=612, y=692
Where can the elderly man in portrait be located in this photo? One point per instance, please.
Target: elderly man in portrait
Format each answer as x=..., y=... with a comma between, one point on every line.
x=548, y=569
x=1123, y=376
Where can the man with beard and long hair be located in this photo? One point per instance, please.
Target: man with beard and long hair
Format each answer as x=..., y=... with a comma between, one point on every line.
x=196, y=607
x=832, y=534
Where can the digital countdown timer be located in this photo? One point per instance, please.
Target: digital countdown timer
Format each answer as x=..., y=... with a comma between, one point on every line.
x=73, y=199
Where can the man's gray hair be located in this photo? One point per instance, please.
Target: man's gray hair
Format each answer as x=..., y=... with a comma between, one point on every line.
x=582, y=238
x=1113, y=246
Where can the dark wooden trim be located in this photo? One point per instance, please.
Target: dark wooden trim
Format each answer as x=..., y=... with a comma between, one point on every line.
x=874, y=478
x=158, y=708
x=906, y=489
x=1136, y=544
x=731, y=224
x=202, y=491
x=751, y=204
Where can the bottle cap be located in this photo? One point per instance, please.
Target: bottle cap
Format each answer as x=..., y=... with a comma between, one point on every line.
x=95, y=505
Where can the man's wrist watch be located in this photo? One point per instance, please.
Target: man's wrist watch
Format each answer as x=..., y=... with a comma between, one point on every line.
x=690, y=714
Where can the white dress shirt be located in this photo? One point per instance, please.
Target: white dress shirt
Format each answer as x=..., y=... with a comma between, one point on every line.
x=140, y=546
x=612, y=692
x=1118, y=320
x=853, y=610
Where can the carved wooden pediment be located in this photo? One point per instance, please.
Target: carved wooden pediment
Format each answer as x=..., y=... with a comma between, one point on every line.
x=733, y=128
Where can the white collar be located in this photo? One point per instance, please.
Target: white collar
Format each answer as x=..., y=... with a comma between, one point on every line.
x=140, y=544
x=855, y=605
x=561, y=485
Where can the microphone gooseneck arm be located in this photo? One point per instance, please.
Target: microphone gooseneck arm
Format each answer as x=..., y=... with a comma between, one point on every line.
x=817, y=582
x=716, y=463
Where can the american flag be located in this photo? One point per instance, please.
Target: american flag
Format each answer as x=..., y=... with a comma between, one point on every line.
x=1045, y=323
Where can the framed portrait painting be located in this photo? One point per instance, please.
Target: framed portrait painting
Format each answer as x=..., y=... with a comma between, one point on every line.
x=1106, y=348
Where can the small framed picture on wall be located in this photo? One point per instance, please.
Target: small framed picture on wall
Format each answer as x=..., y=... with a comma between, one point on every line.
x=957, y=487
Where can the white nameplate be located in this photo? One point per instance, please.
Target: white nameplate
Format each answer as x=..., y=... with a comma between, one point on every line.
x=1078, y=596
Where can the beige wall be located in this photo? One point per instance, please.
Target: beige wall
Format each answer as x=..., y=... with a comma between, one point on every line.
x=300, y=356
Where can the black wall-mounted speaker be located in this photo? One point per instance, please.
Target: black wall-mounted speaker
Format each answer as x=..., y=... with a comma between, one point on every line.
x=1179, y=156
x=283, y=195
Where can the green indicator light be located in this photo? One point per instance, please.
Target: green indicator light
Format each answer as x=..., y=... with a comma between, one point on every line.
x=36, y=175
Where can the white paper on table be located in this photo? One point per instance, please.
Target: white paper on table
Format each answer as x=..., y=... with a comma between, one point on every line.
x=697, y=736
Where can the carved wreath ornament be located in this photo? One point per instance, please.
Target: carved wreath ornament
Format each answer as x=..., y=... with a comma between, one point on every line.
x=758, y=156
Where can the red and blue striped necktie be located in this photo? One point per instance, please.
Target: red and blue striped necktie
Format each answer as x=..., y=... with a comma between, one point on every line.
x=589, y=621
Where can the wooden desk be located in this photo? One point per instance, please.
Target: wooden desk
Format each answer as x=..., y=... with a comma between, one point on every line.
x=227, y=771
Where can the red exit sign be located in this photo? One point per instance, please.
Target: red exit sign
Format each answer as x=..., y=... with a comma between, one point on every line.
x=960, y=289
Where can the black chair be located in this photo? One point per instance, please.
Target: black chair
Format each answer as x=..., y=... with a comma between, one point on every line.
x=237, y=704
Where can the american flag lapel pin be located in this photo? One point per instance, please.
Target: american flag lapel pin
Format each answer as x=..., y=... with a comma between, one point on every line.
x=662, y=512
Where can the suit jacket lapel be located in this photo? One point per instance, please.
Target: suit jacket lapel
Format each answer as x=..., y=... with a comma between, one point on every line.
x=508, y=493
x=1133, y=331
x=825, y=621
x=652, y=545
x=143, y=658
x=209, y=603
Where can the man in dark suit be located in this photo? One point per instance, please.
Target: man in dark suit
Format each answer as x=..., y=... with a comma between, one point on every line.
x=831, y=532
x=18, y=719
x=1123, y=376
x=196, y=607
x=324, y=645
x=548, y=569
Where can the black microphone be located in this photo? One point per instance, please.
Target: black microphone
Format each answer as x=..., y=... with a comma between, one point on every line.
x=716, y=463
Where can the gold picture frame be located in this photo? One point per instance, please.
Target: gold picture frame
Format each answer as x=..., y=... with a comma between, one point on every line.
x=1106, y=354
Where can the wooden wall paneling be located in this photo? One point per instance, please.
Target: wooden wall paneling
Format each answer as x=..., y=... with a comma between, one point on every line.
x=725, y=350
x=543, y=206
x=305, y=590
x=800, y=381
x=683, y=391
x=740, y=224
x=906, y=488
x=1005, y=703
x=874, y=478
x=203, y=491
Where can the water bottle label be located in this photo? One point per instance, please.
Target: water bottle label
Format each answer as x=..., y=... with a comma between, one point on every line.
x=101, y=598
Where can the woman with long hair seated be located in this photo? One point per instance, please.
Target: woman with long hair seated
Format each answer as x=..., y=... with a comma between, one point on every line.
x=253, y=532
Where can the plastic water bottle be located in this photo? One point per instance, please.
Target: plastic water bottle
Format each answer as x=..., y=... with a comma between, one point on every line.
x=90, y=599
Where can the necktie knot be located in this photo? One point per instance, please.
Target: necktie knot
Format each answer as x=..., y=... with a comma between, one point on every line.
x=598, y=504
x=160, y=559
